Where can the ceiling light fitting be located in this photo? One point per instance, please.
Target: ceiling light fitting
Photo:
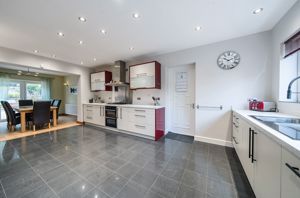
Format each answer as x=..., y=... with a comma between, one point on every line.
x=60, y=34
x=82, y=19
x=136, y=15
x=257, y=11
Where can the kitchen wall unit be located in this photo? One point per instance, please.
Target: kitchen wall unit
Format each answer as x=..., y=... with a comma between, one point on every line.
x=145, y=76
x=99, y=79
x=264, y=160
x=143, y=120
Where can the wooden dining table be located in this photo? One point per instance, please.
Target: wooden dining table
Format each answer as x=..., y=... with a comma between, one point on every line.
x=29, y=109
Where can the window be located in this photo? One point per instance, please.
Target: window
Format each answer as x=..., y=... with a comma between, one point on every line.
x=12, y=90
x=34, y=91
x=289, y=69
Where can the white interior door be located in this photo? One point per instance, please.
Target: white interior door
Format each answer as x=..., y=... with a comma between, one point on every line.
x=181, y=91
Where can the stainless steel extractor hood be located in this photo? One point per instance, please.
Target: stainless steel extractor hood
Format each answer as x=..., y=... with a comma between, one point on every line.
x=118, y=74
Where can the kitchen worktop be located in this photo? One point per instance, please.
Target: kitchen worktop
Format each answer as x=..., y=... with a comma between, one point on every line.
x=127, y=105
x=286, y=142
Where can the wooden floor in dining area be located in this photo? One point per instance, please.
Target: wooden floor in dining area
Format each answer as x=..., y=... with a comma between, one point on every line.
x=64, y=121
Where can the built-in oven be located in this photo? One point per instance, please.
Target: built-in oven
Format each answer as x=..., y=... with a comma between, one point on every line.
x=111, y=116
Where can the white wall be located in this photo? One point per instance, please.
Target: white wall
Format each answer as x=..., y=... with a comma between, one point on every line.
x=29, y=60
x=286, y=27
x=214, y=86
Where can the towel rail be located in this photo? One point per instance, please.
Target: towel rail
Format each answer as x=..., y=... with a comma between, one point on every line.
x=209, y=107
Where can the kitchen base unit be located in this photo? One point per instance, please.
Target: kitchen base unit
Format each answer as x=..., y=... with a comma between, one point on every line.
x=270, y=159
x=141, y=120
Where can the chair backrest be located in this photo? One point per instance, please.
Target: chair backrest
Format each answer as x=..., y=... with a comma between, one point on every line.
x=56, y=103
x=25, y=103
x=10, y=113
x=6, y=111
x=41, y=112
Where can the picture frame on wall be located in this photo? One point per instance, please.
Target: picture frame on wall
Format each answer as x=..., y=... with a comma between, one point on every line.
x=73, y=90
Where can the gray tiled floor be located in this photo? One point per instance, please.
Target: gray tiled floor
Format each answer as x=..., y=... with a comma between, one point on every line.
x=91, y=162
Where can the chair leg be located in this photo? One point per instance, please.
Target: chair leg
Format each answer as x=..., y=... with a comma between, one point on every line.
x=49, y=125
x=34, y=127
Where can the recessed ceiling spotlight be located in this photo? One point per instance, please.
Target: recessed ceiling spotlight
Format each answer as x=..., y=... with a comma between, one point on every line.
x=36, y=51
x=136, y=15
x=80, y=42
x=197, y=28
x=103, y=31
x=131, y=48
x=81, y=63
x=82, y=19
x=60, y=34
x=258, y=10
x=94, y=59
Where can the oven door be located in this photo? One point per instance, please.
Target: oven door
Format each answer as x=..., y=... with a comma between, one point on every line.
x=111, y=113
x=111, y=122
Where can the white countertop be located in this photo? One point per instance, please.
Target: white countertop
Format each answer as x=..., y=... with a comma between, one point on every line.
x=286, y=142
x=127, y=105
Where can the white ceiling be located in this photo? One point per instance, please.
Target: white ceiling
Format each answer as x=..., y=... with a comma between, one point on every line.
x=164, y=26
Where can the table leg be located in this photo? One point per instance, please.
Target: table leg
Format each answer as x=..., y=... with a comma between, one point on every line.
x=23, y=121
x=54, y=118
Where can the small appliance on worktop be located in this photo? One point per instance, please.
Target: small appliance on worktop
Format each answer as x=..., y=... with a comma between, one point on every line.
x=257, y=105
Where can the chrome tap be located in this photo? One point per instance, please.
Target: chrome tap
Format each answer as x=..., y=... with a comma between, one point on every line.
x=289, y=91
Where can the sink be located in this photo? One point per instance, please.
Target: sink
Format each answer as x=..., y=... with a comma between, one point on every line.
x=286, y=126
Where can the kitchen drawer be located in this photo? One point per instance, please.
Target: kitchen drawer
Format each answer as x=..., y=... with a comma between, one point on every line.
x=142, y=129
x=290, y=178
x=142, y=116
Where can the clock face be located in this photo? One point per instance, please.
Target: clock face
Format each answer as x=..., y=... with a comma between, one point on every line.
x=228, y=60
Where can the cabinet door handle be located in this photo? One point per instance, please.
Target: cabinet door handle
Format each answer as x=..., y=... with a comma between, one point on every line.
x=140, y=110
x=141, y=126
x=89, y=110
x=121, y=116
x=252, y=156
x=294, y=169
x=139, y=115
x=249, y=149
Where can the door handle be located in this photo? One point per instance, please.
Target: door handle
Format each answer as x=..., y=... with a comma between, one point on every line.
x=193, y=105
x=252, y=156
x=249, y=149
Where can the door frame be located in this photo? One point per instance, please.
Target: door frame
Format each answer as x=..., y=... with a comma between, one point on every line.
x=168, y=97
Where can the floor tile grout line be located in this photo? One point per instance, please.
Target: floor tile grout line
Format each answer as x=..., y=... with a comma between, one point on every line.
x=38, y=176
x=3, y=189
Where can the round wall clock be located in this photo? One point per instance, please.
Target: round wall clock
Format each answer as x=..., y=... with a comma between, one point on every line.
x=228, y=60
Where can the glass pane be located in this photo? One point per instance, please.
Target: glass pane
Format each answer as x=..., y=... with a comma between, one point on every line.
x=33, y=91
x=9, y=91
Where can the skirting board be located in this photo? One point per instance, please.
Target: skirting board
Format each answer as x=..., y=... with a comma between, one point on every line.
x=213, y=141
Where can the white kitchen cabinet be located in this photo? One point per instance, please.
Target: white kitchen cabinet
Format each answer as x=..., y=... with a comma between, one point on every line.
x=245, y=150
x=236, y=137
x=290, y=175
x=123, y=119
x=267, y=156
x=145, y=76
x=94, y=114
x=261, y=158
x=99, y=79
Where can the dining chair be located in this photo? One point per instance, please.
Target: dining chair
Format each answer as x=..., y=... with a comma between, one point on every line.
x=41, y=114
x=56, y=103
x=25, y=103
x=13, y=117
x=6, y=113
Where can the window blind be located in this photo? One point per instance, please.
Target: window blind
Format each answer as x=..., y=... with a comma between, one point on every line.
x=292, y=45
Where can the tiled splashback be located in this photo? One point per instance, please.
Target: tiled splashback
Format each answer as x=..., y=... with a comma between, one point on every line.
x=144, y=96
